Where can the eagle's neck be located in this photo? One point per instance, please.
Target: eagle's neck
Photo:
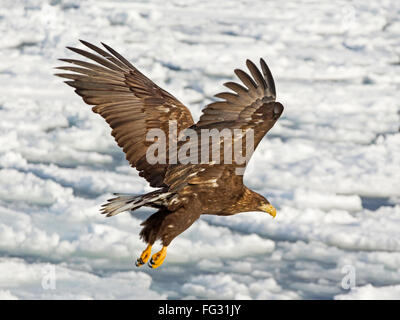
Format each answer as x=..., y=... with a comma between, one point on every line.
x=247, y=201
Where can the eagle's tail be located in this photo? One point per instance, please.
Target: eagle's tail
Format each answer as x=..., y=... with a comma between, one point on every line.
x=127, y=202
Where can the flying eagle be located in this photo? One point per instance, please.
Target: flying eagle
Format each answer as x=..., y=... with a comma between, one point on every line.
x=133, y=105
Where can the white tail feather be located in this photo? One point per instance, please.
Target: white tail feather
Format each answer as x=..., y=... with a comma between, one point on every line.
x=123, y=202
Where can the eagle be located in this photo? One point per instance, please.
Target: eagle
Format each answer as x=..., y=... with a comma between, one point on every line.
x=133, y=105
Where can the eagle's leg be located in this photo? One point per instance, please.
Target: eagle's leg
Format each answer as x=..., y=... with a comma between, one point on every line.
x=144, y=257
x=165, y=225
x=158, y=258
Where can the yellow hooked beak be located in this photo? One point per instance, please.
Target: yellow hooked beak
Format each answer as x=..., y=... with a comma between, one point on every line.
x=268, y=208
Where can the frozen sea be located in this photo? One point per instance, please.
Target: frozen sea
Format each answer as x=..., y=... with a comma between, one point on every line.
x=331, y=165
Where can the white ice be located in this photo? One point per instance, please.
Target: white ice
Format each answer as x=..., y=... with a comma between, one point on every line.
x=331, y=165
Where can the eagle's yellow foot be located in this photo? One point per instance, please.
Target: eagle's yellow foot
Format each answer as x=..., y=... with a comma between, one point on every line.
x=158, y=258
x=144, y=257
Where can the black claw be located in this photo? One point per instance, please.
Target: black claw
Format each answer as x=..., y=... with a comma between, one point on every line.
x=139, y=262
x=151, y=262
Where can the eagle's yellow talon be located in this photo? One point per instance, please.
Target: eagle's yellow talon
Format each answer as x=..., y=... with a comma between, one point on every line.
x=158, y=258
x=144, y=257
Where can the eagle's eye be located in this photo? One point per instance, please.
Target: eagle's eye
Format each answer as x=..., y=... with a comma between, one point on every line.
x=268, y=208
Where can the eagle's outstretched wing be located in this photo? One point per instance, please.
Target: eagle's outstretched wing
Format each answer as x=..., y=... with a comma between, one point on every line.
x=246, y=107
x=251, y=107
x=130, y=102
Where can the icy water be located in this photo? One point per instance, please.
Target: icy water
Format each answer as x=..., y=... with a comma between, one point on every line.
x=331, y=165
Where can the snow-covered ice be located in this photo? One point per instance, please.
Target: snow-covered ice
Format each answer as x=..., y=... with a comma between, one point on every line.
x=331, y=165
